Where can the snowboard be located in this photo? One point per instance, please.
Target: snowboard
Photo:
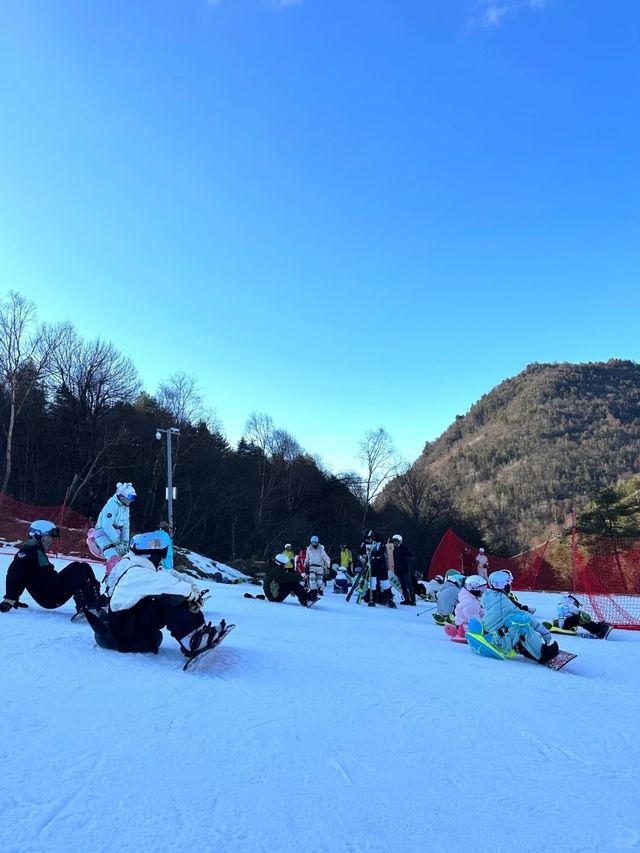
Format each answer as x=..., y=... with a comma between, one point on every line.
x=441, y=620
x=556, y=629
x=452, y=633
x=560, y=660
x=221, y=636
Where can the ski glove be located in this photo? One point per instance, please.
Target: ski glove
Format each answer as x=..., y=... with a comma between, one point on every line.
x=122, y=548
x=195, y=601
x=7, y=604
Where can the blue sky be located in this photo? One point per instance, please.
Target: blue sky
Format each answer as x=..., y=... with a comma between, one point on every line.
x=344, y=214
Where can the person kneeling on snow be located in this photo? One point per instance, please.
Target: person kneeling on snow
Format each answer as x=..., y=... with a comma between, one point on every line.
x=145, y=599
x=469, y=605
x=571, y=615
x=507, y=627
x=280, y=582
x=31, y=570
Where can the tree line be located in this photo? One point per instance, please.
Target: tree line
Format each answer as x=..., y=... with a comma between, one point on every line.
x=75, y=418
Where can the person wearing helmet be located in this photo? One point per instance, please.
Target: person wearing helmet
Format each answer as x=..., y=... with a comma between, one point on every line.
x=315, y=565
x=469, y=604
x=111, y=533
x=290, y=554
x=31, y=570
x=509, y=627
x=572, y=616
x=346, y=560
x=433, y=587
x=482, y=564
x=448, y=597
x=402, y=558
x=144, y=599
x=372, y=552
x=280, y=582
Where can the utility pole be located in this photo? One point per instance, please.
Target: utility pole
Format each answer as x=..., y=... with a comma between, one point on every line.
x=169, y=433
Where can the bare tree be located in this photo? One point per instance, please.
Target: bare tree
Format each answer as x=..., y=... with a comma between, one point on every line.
x=25, y=354
x=380, y=462
x=181, y=397
x=258, y=432
x=420, y=495
x=90, y=377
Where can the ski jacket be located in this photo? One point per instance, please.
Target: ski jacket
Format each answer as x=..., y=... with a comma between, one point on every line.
x=433, y=588
x=377, y=555
x=292, y=558
x=468, y=607
x=137, y=578
x=402, y=559
x=29, y=564
x=317, y=558
x=482, y=565
x=447, y=598
x=498, y=607
x=346, y=558
x=302, y=556
x=566, y=608
x=112, y=526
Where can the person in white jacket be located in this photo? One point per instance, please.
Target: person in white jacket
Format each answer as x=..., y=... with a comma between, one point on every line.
x=315, y=564
x=111, y=533
x=144, y=599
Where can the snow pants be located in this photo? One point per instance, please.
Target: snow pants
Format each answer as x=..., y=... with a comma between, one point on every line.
x=139, y=628
x=405, y=576
x=518, y=630
x=315, y=575
x=583, y=620
x=286, y=589
x=52, y=590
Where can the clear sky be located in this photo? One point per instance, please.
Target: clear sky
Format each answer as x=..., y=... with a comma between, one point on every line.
x=345, y=214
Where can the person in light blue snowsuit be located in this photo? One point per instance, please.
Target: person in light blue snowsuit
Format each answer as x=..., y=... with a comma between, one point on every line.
x=507, y=627
x=111, y=533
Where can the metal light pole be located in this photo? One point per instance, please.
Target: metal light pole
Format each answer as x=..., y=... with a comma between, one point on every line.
x=169, y=433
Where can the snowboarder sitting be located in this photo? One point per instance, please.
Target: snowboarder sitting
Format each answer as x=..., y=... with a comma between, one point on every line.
x=571, y=615
x=507, y=627
x=448, y=597
x=341, y=582
x=280, y=582
x=144, y=599
x=469, y=605
x=432, y=588
x=31, y=570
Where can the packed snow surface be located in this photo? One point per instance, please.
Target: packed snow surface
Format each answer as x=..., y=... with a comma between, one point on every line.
x=334, y=728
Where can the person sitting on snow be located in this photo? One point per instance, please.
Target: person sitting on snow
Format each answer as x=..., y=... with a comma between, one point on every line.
x=280, y=582
x=571, y=615
x=31, y=570
x=448, y=596
x=145, y=599
x=433, y=587
x=507, y=627
x=469, y=604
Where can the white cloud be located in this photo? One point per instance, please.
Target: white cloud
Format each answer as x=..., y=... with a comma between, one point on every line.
x=490, y=13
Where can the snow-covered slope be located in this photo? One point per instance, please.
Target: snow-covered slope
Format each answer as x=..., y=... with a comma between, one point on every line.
x=338, y=728
x=198, y=566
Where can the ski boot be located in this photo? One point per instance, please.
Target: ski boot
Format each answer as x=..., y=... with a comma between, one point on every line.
x=548, y=652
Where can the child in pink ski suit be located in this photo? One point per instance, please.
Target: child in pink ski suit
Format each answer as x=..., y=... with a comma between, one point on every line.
x=469, y=605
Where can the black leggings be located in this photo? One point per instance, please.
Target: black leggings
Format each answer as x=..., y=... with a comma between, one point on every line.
x=76, y=579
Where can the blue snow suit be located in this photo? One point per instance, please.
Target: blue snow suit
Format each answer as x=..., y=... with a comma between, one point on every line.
x=508, y=625
x=112, y=528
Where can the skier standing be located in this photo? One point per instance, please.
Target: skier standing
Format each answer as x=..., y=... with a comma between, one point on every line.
x=482, y=564
x=280, y=582
x=315, y=564
x=509, y=627
x=31, y=570
x=145, y=599
x=402, y=566
x=373, y=550
x=111, y=533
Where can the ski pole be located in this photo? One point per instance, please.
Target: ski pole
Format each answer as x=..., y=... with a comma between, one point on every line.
x=426, y=610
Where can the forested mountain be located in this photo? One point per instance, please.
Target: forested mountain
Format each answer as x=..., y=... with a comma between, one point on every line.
x=556, y=432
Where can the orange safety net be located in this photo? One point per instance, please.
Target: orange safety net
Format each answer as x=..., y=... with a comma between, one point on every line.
x=16, y=517
x=604, y=570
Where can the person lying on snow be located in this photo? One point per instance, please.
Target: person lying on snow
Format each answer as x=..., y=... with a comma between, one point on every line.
x=507, y=627
x=571, y=615
x=31, y=570
x=144, y=599
x=280, y=582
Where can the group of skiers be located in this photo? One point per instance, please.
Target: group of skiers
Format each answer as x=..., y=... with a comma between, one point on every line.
x=507, y=624
x=142, y=592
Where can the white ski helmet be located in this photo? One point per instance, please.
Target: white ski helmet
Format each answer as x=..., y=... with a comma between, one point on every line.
x=281, y=559
x=475, y=583
x=287, y=545
x=481, y=550
x=398, y=538
x=125, y=490
x=41, y=528
x=439, y=578
x=500, y=579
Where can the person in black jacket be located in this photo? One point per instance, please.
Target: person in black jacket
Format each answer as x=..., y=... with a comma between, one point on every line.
x=280, y=582
x=373, y=551
x=402, y=557
x=31, y=570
